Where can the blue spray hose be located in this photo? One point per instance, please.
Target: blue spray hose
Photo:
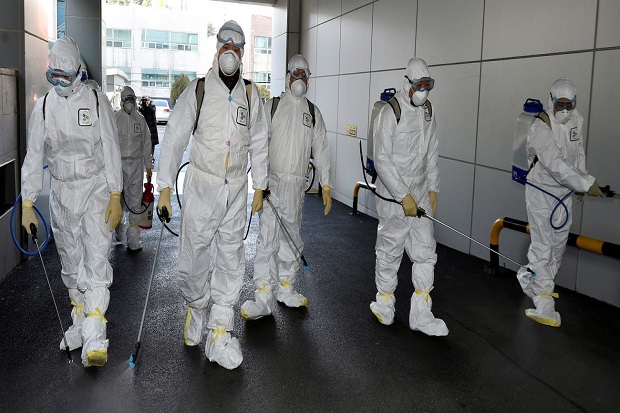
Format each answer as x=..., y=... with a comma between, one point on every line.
x=560, y=202
x=47, y=231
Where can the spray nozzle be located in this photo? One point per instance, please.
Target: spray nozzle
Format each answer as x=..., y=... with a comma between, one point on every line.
x=420, y=213
x=163, y=214
x=33, y=232
x=608, y=192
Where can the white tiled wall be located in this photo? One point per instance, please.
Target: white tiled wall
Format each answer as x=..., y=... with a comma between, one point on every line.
x=608, y=34
x=393, y=33
x=456, y=128
x=353, y=103
x=528, y=27
x=328, y=9
x=355, y=35
x=327, y=100
x=328, y=48
x=461, y=43
x=487, y=57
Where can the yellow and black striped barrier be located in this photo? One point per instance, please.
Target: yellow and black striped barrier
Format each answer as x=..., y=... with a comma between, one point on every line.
x=607, y=249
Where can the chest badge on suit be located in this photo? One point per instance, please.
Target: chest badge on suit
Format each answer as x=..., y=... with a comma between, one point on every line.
x=574, y=136
x=242, y=116
x=84, y=117
x=427, y=115
x=307, y=120
x=137, y=128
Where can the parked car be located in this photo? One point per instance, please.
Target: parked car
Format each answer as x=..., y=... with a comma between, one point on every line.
x=162, y=110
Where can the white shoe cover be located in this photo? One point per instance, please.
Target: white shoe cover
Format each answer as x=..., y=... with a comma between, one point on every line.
x=223, y=349
x=383, y=307
x=422, y=319
x=263, y=306
x=383, y=312
x=194, y=326
x=544, y=313
x=290, y=297
x=74, y=338
x=95, y=347
x=428, y=324
x=74, y=333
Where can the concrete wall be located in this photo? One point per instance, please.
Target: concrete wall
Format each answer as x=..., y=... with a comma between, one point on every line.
x=24, y=48
x=487, y=57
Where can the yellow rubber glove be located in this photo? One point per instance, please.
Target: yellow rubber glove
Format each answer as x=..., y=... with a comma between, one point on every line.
x=164, y=201
x=257, y=202
x=433, y=197
x=327, y=199
x=114, y=212
x=149, y=174
x=28, y=215
x=595, y=190
x=409, y=206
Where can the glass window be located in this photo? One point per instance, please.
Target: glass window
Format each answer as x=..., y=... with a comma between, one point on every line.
x=262, y=42
x=157, y=39
x=262, y=45
x=162, y=78
x=118, y=38
x=261, y=77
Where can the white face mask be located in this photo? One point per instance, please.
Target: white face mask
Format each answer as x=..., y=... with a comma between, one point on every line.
x=563, y=116
x=419, y=98
x=298, y=88
x=63, y=91
x=129, y=107
x=229, y=62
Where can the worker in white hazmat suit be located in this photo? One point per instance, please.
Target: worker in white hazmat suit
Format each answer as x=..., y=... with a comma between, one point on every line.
x=296, y=131
x=405, y=154
x=73, y=127
x=136, y=148
x=559, y=166
x=229, y=124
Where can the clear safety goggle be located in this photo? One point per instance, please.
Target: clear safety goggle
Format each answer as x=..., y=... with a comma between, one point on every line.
x=422, y=84
x=566, y=104
x=302, y=73
x=231, y=35
x=60, y=77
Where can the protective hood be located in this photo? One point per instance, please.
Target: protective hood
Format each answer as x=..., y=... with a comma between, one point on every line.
x=231, y=32
x=92, y=83
x=127, y=91
x=295, y=62
x=561, y=88
x=416, y=69
x=65, y=55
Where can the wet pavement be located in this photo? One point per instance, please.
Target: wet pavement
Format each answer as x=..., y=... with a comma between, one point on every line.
x=333, y=356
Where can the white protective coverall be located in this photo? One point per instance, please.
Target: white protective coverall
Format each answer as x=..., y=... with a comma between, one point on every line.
x=135, y=141
x=406, y=158
x=214, y=202
x=78, y=138
x=292, y=139
x=561, y=167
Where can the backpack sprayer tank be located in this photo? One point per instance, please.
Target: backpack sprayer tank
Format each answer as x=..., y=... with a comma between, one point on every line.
x=520, y=161
x=386, y=95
